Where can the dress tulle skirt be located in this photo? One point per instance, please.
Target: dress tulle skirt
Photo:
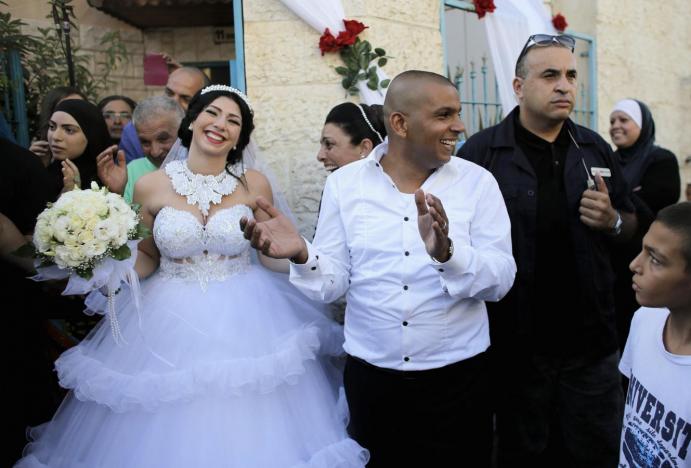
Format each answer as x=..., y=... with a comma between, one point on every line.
x=235, y=374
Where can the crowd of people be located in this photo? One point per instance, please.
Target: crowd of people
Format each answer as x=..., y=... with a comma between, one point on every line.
x=491, y=318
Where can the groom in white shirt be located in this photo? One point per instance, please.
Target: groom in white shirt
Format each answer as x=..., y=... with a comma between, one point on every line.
x=418, y=241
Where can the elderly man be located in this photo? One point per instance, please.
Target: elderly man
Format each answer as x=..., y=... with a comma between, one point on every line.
x=182, y=84
x=156, y=120
x=554, y=335
x=419, y=241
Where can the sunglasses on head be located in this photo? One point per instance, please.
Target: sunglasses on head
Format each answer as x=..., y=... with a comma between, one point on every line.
x=542, y=40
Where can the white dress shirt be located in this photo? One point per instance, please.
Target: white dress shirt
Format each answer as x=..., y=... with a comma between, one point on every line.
x=405, y=311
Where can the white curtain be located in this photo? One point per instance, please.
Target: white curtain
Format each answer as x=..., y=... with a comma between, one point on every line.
x=322, y=14
x=508, y=28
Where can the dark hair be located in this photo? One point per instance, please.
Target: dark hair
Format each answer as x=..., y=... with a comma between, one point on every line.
x=198, y=103
x=48, y=103
x=116, y=97
x=552, y=41
x=678, y=219
x=348, y=117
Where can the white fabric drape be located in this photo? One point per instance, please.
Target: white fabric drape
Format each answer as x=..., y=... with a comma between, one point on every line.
x=508, y=28
x=322, y=14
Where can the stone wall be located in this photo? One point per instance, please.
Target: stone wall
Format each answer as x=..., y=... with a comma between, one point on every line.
x=292, y=87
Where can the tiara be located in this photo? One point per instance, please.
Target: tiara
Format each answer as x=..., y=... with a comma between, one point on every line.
x=229, y=89
x=369, y=124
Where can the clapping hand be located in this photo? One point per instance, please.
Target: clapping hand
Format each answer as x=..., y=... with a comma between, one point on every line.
x=275, y=237
x=596, y=209
x=70, y=176
x=433, y=225
x=113, y=175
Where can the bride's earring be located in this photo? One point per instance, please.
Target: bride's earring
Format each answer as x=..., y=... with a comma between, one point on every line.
x=190, y=127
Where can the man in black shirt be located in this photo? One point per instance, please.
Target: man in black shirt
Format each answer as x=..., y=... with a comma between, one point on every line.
x=559, y=400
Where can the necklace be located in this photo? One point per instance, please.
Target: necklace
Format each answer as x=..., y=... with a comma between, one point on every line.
x=202, y=190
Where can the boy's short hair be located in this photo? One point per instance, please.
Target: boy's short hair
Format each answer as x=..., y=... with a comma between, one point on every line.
x=678, y=219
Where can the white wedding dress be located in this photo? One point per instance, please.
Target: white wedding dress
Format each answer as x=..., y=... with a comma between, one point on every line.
x=223, y=365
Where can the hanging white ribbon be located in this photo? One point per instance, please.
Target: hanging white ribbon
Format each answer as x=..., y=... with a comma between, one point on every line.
x=322, y=14
x=108, y=275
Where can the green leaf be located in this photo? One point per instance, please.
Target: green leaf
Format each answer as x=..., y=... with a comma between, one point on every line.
x=382, y=61
x=142, y=231
x=342, y=71
x=346, y=83
x=373, y=83
x=122, y=252
x=361, y=76
x=26, y=251
x=372, y=73
x=380, y=52
x=353, y=91
x=85, y=273
x=385, y=83
x=363, y=62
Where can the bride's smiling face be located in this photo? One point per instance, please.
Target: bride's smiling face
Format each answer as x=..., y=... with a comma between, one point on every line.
x=217, y=128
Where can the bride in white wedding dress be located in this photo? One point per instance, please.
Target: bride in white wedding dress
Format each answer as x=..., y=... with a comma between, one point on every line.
x=223, y=364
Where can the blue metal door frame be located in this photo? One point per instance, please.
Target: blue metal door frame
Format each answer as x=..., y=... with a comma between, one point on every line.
x=237, y=66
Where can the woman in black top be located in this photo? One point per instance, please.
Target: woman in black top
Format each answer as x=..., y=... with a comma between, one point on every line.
x=652, y=173
x=77, y=134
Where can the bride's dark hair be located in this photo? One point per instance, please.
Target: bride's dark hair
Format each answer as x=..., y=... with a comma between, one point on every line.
x=199, y=102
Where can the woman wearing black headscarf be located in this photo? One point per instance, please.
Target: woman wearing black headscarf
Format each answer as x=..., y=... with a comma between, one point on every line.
x=652, y=173
x=77, y=134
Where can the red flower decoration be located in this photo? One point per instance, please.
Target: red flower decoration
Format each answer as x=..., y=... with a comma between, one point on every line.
x=327, y=42
x=483, y=6
x=354, y=27
x=559, y=22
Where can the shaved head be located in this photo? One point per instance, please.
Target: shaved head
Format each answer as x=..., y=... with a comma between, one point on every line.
x=404, y=93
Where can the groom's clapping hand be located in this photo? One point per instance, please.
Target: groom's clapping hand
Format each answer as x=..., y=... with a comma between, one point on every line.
x=273, y=234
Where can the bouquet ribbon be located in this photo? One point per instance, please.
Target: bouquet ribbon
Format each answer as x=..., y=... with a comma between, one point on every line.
x=107, y=276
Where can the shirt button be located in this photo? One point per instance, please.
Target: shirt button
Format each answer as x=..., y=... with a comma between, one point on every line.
x=313, y=268
x=407, y=253
x=406, y=359
x=530, y=193
x=441, y=270
x=377, y=164
x=405, y=324
x=405, y=219
x=405, y=288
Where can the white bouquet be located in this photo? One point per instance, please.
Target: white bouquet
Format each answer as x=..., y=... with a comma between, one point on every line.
x=89, y=236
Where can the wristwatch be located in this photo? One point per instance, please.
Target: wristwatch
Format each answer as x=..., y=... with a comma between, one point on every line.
x=450, y=251
x=616, y=230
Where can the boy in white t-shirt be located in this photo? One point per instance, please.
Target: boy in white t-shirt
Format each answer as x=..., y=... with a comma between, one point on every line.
x=657, y=357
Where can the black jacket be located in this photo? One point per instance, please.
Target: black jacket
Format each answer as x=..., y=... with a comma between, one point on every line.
x=511, y=319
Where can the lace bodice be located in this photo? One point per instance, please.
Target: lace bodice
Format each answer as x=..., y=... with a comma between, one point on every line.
x=193, y=251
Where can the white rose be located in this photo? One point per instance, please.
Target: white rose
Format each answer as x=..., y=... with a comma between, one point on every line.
x=106, y=230
x=61, y=227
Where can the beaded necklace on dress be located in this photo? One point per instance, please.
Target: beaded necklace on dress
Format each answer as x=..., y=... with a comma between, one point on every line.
x=203, y=190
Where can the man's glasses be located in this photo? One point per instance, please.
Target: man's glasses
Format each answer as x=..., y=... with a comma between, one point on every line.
x=542, y=40
x=120, y=115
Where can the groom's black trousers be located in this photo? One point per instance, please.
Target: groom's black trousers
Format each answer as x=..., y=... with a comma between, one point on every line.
x=432, y=418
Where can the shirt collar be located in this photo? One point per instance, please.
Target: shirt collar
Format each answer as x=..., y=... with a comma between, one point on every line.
x=441, y=177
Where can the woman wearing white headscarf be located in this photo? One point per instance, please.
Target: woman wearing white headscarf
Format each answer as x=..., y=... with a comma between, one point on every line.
x=652, y=173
